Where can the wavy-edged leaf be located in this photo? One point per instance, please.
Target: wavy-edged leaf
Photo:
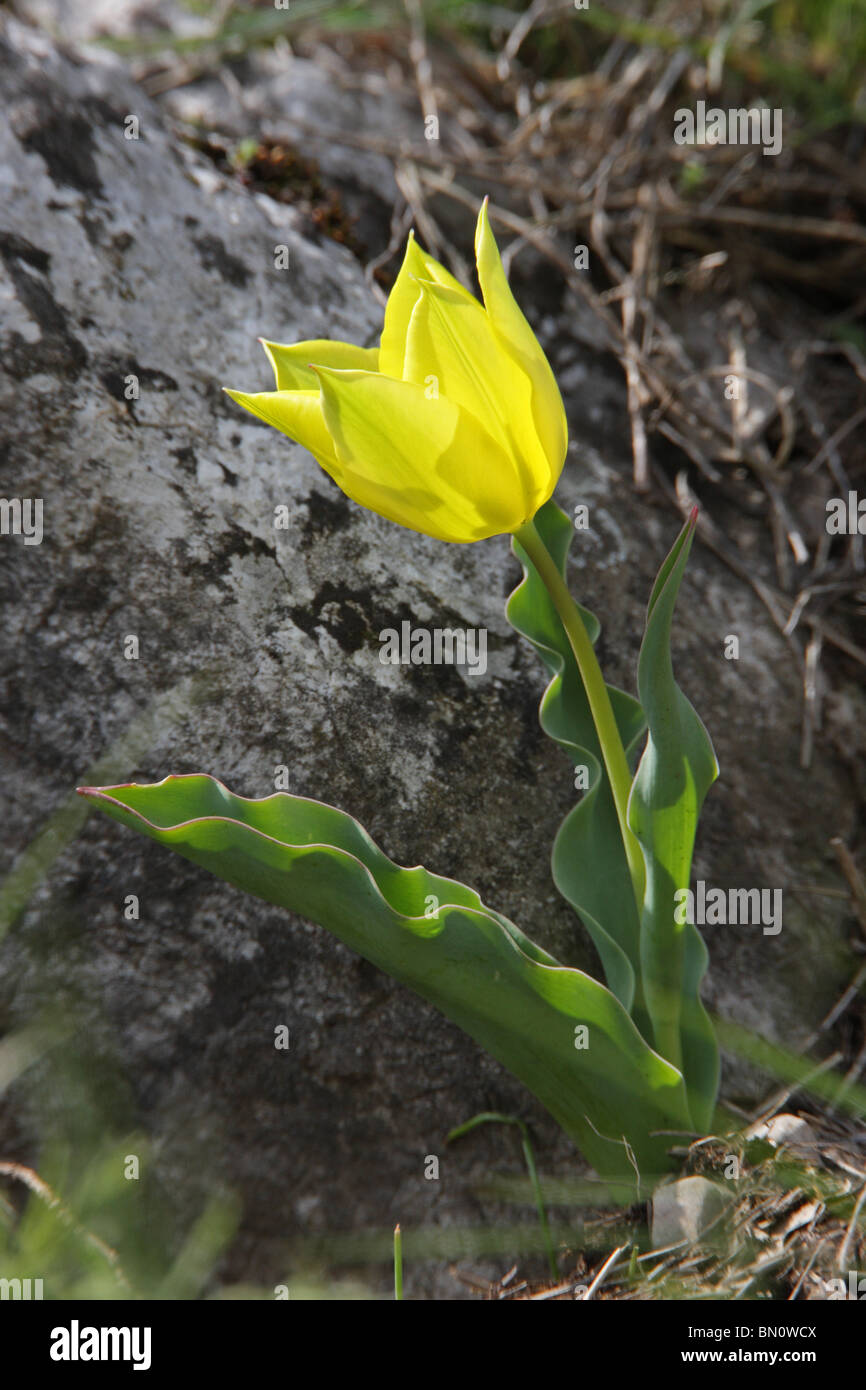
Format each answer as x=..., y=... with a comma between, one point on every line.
x=676, y=771
x=588, y=860
x=474, y=965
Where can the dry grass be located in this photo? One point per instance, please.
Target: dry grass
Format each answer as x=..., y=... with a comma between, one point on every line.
x=796, y=1221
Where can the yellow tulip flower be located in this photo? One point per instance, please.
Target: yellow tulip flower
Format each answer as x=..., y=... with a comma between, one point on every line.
x=453, y=426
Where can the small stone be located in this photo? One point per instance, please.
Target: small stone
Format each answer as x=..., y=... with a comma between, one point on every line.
x=783, y=1130
x=683, y=1210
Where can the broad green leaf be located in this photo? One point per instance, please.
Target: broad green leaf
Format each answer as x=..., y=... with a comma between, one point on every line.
x=435, y=935
x=676, y=771
x=588, y=860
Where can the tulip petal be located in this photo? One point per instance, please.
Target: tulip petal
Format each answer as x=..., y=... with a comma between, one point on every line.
x=512, y=327
x=450, y=339
x=291, y=361
x=297, y=414
x=423, y=463
x=402, y=300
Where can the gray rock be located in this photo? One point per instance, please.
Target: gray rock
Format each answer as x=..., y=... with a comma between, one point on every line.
x=257, y=648
x=86, y=20
x=684, y=1210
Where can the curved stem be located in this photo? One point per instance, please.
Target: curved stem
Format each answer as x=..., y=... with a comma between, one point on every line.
x=612, y=750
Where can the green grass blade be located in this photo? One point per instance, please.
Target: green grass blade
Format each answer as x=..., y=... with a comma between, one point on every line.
x=493, y=1117
x=398, y=1264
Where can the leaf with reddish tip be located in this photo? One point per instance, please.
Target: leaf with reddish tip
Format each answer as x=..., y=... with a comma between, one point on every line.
x=435, y=935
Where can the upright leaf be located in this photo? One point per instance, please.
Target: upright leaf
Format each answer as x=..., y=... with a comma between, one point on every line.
x=588, y=860
x=676, y=770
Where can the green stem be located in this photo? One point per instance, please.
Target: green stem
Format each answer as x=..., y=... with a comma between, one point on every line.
x=612, y=750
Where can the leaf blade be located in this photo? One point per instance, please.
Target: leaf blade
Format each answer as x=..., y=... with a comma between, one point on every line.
x=588, y=862
x=317, y=861
x=676, y=770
